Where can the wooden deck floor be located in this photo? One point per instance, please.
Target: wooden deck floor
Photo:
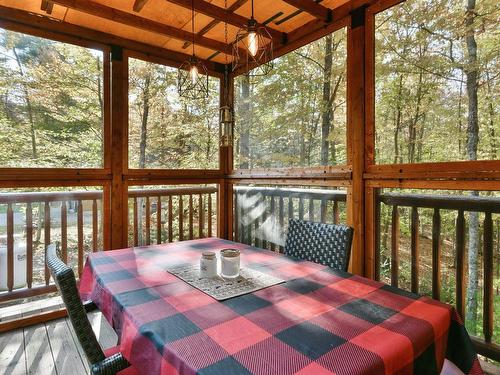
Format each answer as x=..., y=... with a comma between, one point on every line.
x=50, y=348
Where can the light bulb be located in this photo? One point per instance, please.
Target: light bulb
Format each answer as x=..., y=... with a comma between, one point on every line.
x=193, y=73
x=253, y=43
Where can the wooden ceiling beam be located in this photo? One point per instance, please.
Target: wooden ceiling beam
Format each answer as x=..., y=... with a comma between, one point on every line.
x=314, y=30
x=237, y=4
x=47, y=6
x=313, y=8
x=46, y=27
x=139, y=4
x=223, y=15
x=115, y=15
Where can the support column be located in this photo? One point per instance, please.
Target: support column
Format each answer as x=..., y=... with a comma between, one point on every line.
x=356, y=136
x=225, y=202
x=119, y=154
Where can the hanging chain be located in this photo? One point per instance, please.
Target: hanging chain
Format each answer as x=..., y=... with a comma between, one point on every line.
x=252, y=9
x=192, y=22
x=225, y=28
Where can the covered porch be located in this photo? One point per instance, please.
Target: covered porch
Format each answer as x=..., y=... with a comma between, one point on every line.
x=338, y=132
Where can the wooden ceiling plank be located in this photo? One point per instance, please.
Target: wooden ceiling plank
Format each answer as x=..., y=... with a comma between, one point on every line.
x=46, y=27
x=313, y=8
x=139, y=4
x=223, y=15
x=116, y=15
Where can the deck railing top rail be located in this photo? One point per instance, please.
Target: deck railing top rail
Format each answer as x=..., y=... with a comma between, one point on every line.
x=140, y=193
x=339, y=195
x=52, y=196
x=450, y=202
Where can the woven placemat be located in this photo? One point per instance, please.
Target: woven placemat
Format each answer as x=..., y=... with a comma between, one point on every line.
x=219, y=288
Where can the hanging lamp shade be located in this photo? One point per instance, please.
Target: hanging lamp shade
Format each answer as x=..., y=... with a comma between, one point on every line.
x=257, y=44
x=192, y=75
x=192, y=79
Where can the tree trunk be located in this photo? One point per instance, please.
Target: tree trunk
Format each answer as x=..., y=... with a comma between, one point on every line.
x=413, y=126
x=397, y=157
x=99, y=90
x=245, y=122
x=326, y=110
x=144, y=120
x=142, y=150
x=34, y=152
x=472, y=142
x=491, y=125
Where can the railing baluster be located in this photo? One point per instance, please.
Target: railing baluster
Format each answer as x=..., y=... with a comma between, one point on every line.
x=265, y=215
x=190, y=216
x=148, y=222
x=336, y=212
x=64, y=232
x=301, y=208
x=46, y=226
x=170, y=219
x=281, y=214
x=209, y=215
x=80, y=237
x=488, y=278
x=158, y=219
x=414, y=250
x=201, y=215
x=377, y=236
x=256, y=240
x=136, y=224
x=10, y=247
x=436, y=254
x=460, y=271
x=290, y=207
x=181, y=218
x=29, y=244
x=95, y=228
x=311, y=209
x=236, y=218
x=395, y=232
x=273, y=215
x=323, y=210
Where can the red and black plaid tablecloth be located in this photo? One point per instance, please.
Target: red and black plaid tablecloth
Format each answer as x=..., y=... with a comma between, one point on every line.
x=319, y=322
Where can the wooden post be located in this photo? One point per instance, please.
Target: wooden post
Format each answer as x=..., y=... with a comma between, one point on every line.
x=225, y=201
x=356, y=135
x=119, y=154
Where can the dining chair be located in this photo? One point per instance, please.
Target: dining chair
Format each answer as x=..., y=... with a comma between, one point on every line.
x=327, y=244
x=109, y=362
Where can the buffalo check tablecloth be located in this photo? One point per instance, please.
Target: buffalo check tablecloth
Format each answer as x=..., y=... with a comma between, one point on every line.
x=319, y=321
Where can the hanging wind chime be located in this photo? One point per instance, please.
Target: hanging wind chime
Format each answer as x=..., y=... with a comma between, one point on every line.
x=192, y=76
x=226, y=112
x=258, y=46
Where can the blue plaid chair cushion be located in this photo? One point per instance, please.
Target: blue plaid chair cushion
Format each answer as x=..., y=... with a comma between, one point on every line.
x=326, y=244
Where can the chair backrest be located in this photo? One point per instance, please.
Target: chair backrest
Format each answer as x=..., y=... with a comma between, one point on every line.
x=327, y=244
x=65, y=281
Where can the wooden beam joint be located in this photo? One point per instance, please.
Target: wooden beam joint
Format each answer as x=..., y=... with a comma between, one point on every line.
x=47, y=6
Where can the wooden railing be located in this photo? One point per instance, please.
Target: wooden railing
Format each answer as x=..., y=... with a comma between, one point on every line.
x=167, y=215
x=487, y=207
x=37, y=207
x=261, y=213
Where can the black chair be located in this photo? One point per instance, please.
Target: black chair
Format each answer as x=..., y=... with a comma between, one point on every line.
x=327, y=244
x=64, y=278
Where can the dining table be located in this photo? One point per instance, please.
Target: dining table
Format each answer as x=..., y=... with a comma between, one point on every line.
x=318, y=321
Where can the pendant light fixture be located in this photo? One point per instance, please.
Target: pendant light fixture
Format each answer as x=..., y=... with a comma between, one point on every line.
x=226, y=112
x=258, y=46
x=192, y=76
